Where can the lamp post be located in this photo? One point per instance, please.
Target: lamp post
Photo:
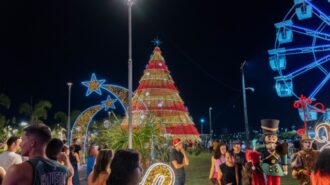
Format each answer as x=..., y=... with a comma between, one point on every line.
x=130, y=75
x=202, y=123
x=68, y=124
x=210, y=121
x=246, y=122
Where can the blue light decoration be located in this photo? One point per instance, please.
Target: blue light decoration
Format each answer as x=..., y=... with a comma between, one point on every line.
x=301, y=53
x=310, y=115
x=277, y=61
x=304, y=12
x=326, y=116
x=284, y=87
x=93, y=85
x=156, y=42
x=109, y=103
x=83, y=121
x=284, y=32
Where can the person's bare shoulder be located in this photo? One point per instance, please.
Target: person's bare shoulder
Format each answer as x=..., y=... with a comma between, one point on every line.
x=19, y=174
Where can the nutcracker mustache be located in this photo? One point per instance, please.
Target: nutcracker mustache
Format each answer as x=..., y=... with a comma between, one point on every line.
x=271, y=146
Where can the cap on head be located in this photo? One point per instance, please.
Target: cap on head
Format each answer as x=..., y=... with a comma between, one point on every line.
x=237, y=142
x=176, y=141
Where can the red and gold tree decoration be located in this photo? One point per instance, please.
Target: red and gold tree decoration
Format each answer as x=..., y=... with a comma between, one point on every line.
x=158, y=95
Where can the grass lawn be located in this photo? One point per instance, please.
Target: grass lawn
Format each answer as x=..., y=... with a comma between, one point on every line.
x=197, y=172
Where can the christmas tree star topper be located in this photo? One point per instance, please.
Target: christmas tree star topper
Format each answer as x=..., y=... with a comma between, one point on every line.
x=156, y=42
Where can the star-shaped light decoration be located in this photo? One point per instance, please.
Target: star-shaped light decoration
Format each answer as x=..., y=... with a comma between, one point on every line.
x=109, y=103
x=94, y=85
x=156, y=42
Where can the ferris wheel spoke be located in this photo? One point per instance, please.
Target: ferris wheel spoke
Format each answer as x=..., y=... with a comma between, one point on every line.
x=325, y=18
x=310, y=32
x=323, y=69
x=308, y=67
x=300, y=50
x=319, y=87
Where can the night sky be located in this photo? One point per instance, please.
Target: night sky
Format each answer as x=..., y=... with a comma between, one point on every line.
x=44, y=44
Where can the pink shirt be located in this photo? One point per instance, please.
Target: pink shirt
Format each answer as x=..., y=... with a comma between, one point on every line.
x=217, y=164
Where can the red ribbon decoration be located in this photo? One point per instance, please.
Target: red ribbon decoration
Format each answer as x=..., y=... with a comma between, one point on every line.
x=300, y=131
x=304, y=103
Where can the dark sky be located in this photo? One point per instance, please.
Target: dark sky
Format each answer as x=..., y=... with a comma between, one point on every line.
x=44, y=44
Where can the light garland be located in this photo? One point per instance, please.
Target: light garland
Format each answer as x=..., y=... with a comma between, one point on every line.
x=159, y=174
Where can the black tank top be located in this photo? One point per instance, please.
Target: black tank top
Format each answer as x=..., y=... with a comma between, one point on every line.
x=48, y=172
x=229, y=174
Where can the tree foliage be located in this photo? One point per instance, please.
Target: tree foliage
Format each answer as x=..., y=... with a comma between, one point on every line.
x=36, y=112
x=5, y=101
x=147, y=136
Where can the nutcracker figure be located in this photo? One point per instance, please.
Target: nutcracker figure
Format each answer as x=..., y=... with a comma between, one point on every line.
x=273, y=155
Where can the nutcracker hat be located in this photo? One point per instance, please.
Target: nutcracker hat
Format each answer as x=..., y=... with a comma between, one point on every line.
x=269, y=126
x=176, y=141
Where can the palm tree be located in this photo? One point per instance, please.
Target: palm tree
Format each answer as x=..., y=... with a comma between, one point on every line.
x=62, y=117
x=149, y=135
x=36, y=112
x=5, y=101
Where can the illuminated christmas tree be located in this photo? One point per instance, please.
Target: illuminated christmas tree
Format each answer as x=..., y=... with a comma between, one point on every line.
x=157, y=95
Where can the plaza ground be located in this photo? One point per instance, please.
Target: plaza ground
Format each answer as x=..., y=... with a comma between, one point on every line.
x=198, y=171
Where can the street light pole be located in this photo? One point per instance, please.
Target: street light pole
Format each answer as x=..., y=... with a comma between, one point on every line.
x=130, y=76
x=210, y=120
x=245, y=106
x=202, y=123
x=68, y=124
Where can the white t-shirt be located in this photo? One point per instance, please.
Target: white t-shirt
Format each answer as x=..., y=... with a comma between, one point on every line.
x=7, y=159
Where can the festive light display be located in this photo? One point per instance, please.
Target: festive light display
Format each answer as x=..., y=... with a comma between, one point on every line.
x=158, y=95
x=322, y=135
x=159, y=174
x=307, y=110
x=93, y=85
x=301, y=52
x=109, y=103
x=80, y=126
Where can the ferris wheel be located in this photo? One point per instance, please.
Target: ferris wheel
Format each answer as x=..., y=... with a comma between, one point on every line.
x=301, y=53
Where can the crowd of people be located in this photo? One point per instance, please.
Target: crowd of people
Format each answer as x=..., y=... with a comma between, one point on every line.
x=44, y=160
x=267, y=162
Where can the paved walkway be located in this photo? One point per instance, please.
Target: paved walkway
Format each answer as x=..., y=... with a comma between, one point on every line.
x=82, y=175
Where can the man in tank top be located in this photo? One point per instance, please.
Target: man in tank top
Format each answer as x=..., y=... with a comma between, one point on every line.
x=38, y=170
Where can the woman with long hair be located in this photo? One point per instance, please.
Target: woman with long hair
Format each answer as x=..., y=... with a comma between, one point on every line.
x=92, y=155
x=217, y=159
x=75, y=161
x=230, y=172
x=101, y=170
x=321, y=174
x=125, y=168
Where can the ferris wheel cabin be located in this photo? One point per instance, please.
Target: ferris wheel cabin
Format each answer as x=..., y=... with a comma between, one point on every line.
x=284, y=86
